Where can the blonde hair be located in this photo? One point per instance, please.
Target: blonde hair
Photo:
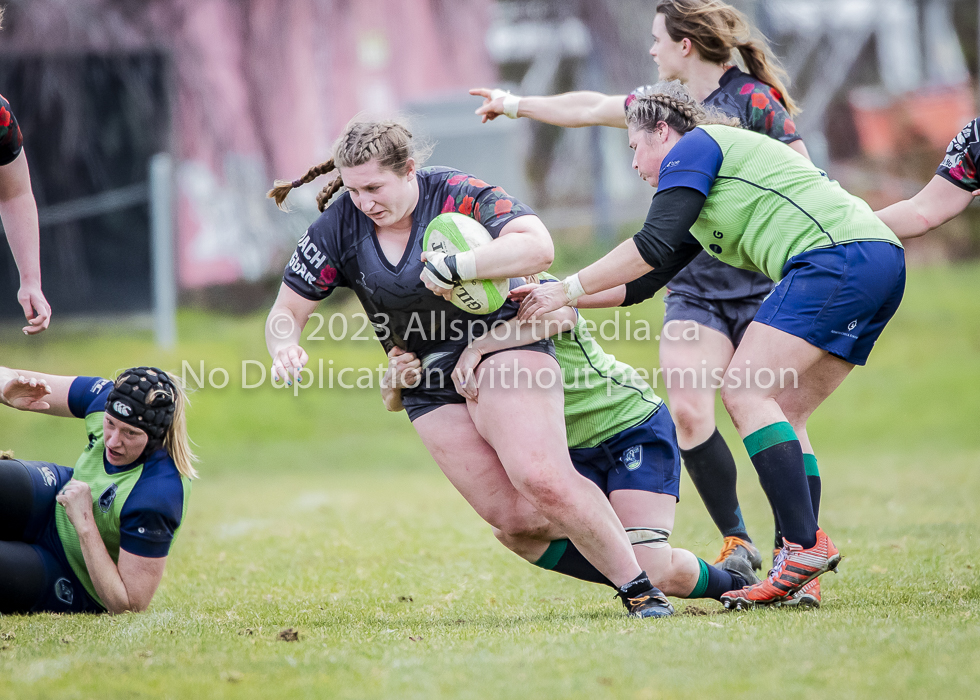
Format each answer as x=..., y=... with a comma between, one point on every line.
x=716, y=28
x=5, y=454
x=176, y=441
x=388, y=142
x=669, y=102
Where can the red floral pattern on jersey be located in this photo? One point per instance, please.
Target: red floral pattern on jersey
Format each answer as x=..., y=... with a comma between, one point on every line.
x=960, y=164
x=477, y=199
x=11, y=140
x=328, y=275
x=765, y=112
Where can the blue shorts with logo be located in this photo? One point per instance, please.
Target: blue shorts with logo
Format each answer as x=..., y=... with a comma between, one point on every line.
x=642, y=458
x=62, y=591
x=838, y=299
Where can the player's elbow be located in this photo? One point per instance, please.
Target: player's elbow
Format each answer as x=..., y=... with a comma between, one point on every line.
x=541, y=254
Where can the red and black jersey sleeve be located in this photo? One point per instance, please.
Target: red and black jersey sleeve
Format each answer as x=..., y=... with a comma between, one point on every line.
x=960, y=164
x=11, y=141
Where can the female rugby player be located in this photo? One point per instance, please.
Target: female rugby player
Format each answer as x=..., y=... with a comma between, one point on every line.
x=370, y=240
x=709, y=304
x=840, y=273
x=620, y=436
x=947, y=195
x=95, y=538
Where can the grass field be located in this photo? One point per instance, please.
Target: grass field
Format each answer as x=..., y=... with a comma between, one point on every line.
x=322, y=513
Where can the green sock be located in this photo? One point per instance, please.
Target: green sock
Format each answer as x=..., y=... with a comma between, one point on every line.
x=551, y=555
x=702, y=585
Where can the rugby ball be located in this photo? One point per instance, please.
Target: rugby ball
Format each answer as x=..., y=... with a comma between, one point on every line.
x=452, y=233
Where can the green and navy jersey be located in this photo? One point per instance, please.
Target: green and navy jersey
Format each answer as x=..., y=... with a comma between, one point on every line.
x=11, y=141
x=765, y=203
x=760, y=108
x=603, y=397
x=960, y=164
x=138, y=507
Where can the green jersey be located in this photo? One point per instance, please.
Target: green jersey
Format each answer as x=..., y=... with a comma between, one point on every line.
x=137, y=507
x=765, y=202
x=603, y=396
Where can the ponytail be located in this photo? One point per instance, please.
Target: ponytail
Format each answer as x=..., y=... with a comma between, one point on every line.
x=388, y=142
x=715, y=28
x=763, y=67
x=283, y=187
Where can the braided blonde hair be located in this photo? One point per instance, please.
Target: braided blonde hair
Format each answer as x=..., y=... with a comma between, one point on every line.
x=388, y=142
x=669, y=102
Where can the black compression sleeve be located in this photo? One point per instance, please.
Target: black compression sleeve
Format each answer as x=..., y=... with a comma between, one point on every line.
x=665, y=241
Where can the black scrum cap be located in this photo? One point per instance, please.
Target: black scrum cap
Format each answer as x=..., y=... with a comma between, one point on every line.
x=145, y=398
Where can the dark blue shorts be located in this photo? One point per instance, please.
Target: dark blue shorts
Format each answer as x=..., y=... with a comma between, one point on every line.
x=62, y=591
x=838, y=299
x=437, y=388
x=727, y=316
x=642, y=458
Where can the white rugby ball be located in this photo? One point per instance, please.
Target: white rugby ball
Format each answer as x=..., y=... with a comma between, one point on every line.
x=452, y=233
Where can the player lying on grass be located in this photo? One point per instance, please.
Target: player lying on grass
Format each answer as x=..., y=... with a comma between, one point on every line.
x=947, y=195
x=370, y=240
x=620, y=436
x=709, y=304
x=95, y=538
x=840, y=272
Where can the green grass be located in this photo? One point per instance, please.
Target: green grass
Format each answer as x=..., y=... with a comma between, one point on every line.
x=324, y=513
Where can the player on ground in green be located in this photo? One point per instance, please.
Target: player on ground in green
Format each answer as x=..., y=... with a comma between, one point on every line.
x=95, y=538
x=755, y=204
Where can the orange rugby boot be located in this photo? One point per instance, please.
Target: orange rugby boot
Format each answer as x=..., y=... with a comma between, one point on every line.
x=793, y=569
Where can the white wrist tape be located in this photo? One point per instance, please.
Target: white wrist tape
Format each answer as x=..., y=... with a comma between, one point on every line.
x=572, y=287
x=466, y=265
x=511, y=102
x=438, y=263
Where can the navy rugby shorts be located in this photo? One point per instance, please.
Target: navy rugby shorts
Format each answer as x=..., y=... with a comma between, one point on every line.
x=642, y=458
x=838, y=299
x=62, y=592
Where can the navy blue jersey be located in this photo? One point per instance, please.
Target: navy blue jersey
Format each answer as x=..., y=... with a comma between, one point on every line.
x=11, y=141
x=153, y=510
x=340, y=249
x=760, y=108
x=960, y=164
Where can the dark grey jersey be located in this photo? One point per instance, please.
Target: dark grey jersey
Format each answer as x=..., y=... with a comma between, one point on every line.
x=340, y=249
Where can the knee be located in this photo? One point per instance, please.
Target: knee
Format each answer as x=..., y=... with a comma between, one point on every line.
x=545, y=489
x=733, y=401
x=691, y=420
x=512, y=526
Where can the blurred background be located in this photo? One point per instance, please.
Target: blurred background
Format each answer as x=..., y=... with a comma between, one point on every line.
x=154, y=128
